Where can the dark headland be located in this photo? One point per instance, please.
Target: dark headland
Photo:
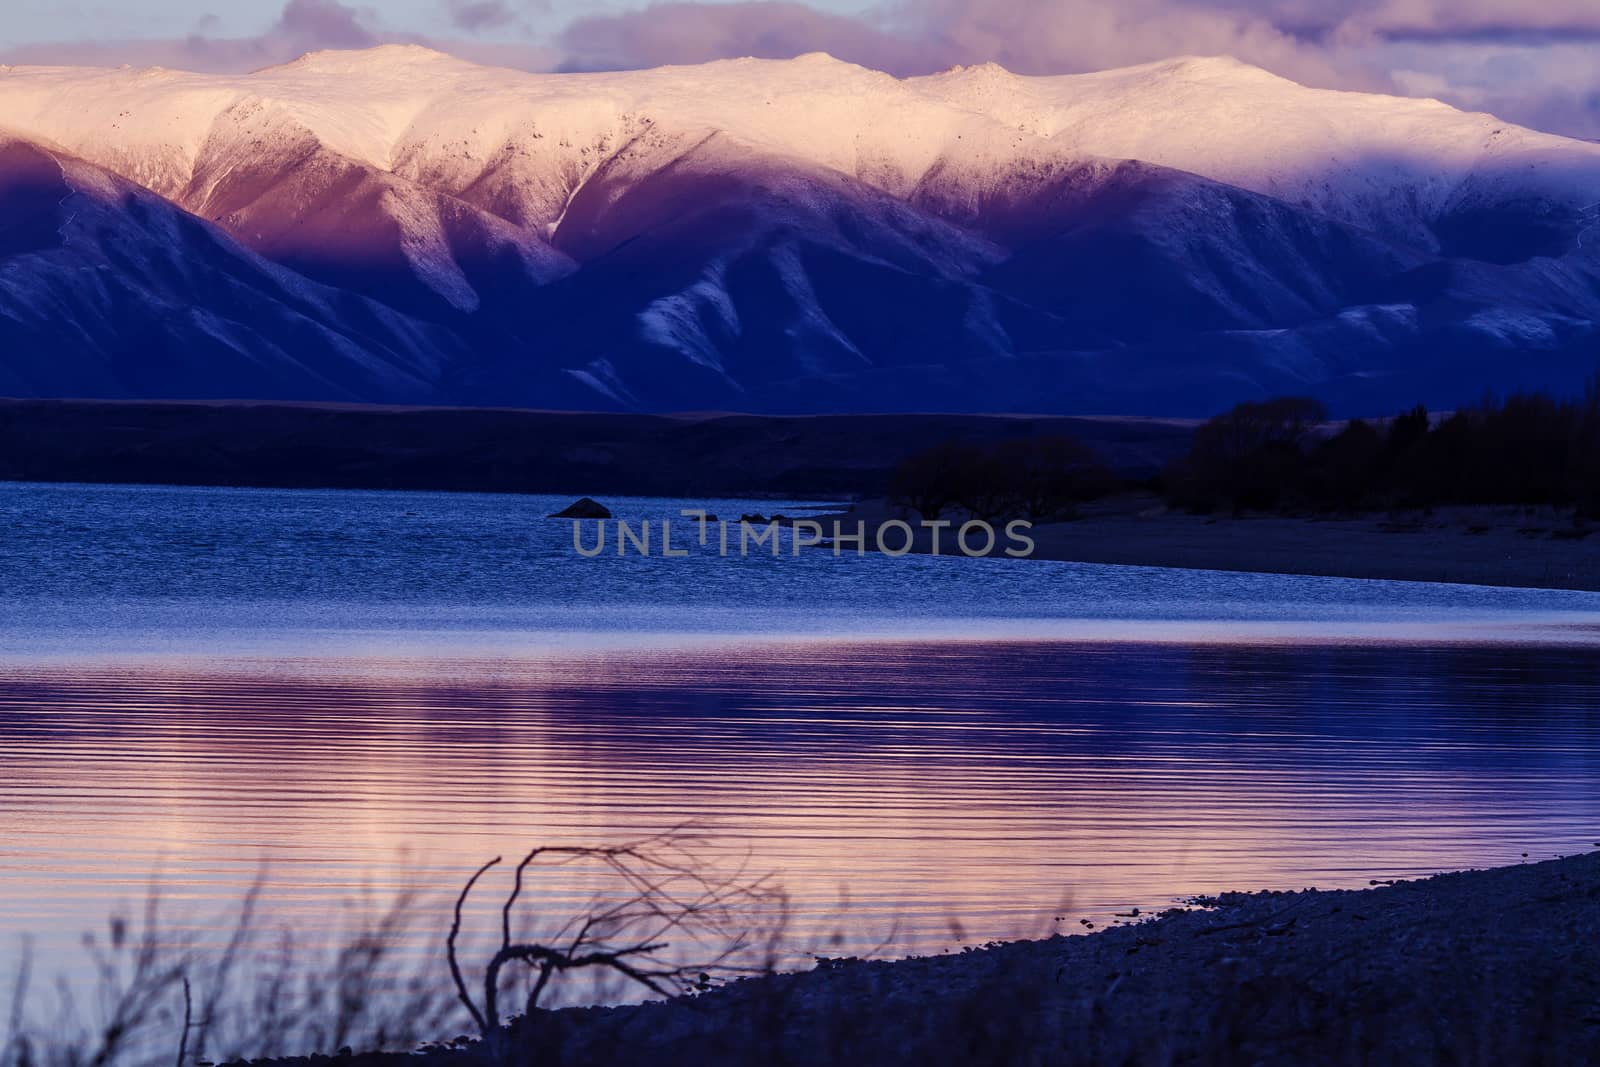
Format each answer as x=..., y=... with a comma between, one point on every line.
x=332, y=446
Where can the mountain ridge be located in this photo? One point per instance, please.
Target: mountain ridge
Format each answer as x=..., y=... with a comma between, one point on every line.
x=764, y=233
x=385, y=111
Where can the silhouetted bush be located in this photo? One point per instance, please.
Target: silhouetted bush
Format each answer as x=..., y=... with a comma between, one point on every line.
x=1246, y=458
x=934, y=480
x=1340, y=469
x=1047, y=477
x=1037, y=478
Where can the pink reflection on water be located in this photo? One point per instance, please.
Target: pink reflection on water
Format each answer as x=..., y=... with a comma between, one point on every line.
x=999, y=785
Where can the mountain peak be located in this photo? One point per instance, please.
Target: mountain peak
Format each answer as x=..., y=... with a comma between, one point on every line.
x=810, y=65
x=1220, y=64
x=1206, y=68
x=378, y=57
x=990, y=71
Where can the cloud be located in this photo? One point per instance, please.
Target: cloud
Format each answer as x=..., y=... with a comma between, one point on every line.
x=475, y=16
x=325, y=24
x=302, y=26
x=1041, y=36
x=1406, y=46
x=1553, y=86
x=1346, y=21
x=681, y=33
x=1530, y=61
x=1508, y=21
x=918, y=36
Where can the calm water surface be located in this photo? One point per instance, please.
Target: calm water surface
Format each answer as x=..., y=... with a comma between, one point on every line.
x=364, y=689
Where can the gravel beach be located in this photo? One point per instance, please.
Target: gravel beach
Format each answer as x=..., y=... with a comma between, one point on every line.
x=1483, y=967
x=1507, y=546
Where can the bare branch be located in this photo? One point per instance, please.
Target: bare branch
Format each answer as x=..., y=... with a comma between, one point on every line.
x=188, y=1023
x=511, y=899
x=450, y=947
x=666, y=893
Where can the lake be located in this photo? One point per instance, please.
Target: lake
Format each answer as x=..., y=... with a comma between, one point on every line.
x=356, y=691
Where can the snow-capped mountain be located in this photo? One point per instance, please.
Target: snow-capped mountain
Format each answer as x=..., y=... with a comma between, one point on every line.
x=107, y=290
x=811, y=235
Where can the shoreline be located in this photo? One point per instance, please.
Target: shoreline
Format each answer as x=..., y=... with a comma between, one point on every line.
x=1502, y=546
x=1483, y=966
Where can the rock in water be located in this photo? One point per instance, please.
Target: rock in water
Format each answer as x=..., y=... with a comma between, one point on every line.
x=586, y=508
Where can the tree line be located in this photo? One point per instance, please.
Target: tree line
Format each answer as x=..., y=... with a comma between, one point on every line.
x=1274, y=455
x=1527, y=449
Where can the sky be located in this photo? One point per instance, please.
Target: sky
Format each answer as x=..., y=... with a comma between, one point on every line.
x=1536, y=62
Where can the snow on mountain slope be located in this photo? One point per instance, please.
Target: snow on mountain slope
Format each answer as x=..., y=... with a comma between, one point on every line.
x=107, y=290
x=791, y=235
x=712, y=269
x=270, y=180
x=476, y=131
x=1105, y=247
x=293, y=171
x=1379, y=161
x=519, y=144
